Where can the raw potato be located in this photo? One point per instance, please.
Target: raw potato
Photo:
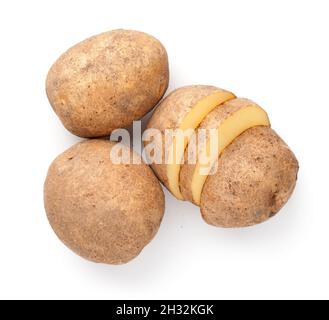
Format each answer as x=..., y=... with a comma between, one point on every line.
x=229, y=120
x=107, y=82
x=256, y=176
x=104, y=212
x=183, y=109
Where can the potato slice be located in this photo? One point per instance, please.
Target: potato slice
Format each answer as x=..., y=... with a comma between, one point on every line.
x=229, y=121
x=184, y=109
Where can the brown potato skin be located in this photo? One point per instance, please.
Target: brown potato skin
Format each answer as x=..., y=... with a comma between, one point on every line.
x=256, y=176
x=108, y=81
x=105, y=213
x=171, y=112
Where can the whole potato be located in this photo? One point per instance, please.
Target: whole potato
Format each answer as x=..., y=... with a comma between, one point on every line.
x=256, y=176
x=107, y=82
x=106, y=213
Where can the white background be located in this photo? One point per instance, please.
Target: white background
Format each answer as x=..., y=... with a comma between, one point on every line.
x=274, y=52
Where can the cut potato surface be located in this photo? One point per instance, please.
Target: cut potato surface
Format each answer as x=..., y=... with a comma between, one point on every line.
x=184, y=110
x=229, y=120
x=191, y=122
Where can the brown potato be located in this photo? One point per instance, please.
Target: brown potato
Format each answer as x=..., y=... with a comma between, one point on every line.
x=107, y=82
x=104, y=212
x=256, y=176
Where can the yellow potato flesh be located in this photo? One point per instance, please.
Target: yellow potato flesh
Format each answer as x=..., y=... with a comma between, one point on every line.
x=228, y=131
x=191, y=122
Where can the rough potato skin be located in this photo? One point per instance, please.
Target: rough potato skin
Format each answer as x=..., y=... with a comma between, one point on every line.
x=256, y=176
x=171, y=112
x=105, y=213
x=212, y=121
x=108, y=81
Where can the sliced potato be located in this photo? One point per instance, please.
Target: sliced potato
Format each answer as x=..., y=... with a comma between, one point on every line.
x=229, y=121
x=183, y=110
